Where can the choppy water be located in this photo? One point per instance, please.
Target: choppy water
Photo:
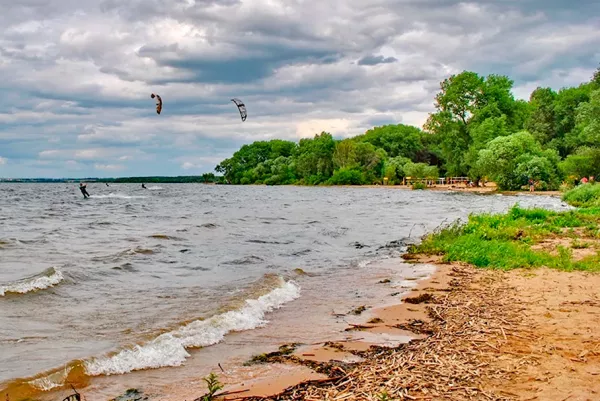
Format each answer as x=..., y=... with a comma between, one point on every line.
x=134, y=279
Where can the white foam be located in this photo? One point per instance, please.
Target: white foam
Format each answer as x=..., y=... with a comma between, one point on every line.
x=51, y=381
x=119, y=196
x=154, y=188
x=170, y=349
x=47, y=278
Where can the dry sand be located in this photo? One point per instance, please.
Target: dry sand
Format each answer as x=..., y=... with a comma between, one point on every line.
x=478, y=335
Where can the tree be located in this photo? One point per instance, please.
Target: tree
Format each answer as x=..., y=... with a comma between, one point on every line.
x=396, y=140
x=588, y=120
x=208, y=177
x=465, y=103
x=314, y=158
x=421, y=171
x=344, y=154
x=583, y=163
x=542, y=121
x=514, y=159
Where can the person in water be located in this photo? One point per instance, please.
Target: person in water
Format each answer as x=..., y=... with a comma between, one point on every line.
x=143, y=185
x=83, y=190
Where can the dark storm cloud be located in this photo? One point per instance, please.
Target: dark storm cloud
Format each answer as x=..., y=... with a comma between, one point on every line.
x=374, y=60
x=77, y=74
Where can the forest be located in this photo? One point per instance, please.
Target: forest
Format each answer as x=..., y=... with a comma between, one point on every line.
x=478, y=130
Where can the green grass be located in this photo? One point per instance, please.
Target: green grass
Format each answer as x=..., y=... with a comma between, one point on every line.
x=586, y=195
x=503, y=241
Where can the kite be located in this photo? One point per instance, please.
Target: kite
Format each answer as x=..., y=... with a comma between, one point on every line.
x=158, y=103
x=241, y=107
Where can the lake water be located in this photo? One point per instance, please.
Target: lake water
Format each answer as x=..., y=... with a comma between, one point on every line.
x=136, y=279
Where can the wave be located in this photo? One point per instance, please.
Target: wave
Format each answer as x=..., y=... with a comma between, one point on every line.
x=48, y=278
x=53, y=380
x=154, y=188
x=171, y=349
x=119, y=196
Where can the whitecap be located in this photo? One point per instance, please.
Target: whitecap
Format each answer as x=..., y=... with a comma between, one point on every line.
x=171, y=349
x=48, y=278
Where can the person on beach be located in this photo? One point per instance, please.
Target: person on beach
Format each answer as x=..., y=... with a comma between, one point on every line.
x=84, y=191
x=531, y=185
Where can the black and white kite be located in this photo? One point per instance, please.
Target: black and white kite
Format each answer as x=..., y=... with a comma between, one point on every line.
x=241, y=108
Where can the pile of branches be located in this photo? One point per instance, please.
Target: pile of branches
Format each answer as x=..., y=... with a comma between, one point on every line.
x=458, y=360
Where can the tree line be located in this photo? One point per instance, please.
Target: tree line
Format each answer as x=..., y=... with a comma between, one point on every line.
x=478, y=130
x=182, y=179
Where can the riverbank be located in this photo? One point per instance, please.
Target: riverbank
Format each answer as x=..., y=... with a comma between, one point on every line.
x=489, y=189
x=525, y=328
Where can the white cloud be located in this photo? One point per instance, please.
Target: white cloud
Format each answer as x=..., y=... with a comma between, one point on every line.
x=2, y=161
x=78, y=77
x=109, y=167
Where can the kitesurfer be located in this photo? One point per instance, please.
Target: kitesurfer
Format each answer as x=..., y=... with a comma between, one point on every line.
x=143, y=186
x=83, y=190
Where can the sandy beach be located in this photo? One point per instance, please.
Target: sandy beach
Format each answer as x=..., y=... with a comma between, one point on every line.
x=490, y=188
x=475, y=335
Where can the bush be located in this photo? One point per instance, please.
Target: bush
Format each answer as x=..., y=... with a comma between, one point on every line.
x=584, y=195
x=346, y=176
x=419, y=185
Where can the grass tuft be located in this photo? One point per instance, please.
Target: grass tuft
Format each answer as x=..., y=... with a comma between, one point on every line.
x=503, y=241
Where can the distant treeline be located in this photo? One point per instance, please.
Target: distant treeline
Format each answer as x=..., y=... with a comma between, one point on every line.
x=479, y=130
x=181, y=179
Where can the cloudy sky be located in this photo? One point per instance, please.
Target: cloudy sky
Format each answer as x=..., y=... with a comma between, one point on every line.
x=76, y=75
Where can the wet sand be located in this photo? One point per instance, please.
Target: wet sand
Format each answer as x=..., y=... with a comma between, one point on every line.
x=463, y=333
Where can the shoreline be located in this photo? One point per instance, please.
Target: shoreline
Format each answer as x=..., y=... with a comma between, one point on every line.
x=492, y=189
x=470, y=333
x=481, y=330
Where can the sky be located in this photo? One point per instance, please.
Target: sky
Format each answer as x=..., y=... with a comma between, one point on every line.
x=76, y=75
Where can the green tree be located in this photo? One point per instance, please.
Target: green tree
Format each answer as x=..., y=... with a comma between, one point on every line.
x=396, y=140
x=514, y=159
x=585, y=162
x=588, y=120
x=347, y=176
x=344, y=154
x=314, y=158
x=542, y=121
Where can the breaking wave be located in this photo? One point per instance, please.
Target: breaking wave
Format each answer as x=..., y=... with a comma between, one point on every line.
x=171, y=349
x=53, y=380
x=48, y=278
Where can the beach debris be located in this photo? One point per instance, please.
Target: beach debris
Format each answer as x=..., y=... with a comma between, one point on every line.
x=385, y=281
x=465, y=331
x=375, y=320
x=419, y=299
x=358, y=327
x=285, y=349
x=132, y=394
x=359, y=310
x=299, y=271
